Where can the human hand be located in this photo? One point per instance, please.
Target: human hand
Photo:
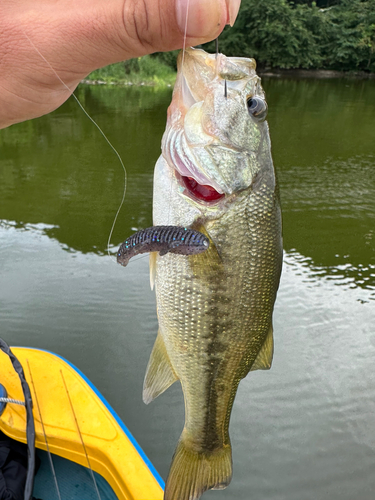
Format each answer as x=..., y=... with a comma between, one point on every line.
x=40, y=39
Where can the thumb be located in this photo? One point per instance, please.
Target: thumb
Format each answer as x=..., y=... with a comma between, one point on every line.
x=89, y=34
x=44, y=43
x=144, y=26
x=161, y=25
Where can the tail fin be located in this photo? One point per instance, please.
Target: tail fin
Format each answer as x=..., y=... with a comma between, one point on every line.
x=192, y=473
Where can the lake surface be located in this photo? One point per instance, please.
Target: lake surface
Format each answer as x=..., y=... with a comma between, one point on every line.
x=305, y=430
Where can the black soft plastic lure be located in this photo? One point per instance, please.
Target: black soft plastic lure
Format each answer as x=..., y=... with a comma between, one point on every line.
x=163, y=239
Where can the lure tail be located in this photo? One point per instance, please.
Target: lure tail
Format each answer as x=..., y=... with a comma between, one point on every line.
x=192, y=472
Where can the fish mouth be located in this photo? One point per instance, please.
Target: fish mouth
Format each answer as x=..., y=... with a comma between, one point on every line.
x=187, y=172
x=201, y=192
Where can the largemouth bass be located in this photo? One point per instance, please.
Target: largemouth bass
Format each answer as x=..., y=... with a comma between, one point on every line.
x=215, y=175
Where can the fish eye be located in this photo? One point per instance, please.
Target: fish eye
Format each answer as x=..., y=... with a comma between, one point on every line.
x=257, y=108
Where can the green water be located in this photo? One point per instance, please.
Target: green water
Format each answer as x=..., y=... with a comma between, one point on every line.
x=305, y=429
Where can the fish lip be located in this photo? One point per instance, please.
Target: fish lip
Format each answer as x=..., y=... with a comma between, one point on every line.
x=186, y=162
x=187, y=96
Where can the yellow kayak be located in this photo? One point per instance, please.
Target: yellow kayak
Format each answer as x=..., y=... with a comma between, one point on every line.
x=77, y=425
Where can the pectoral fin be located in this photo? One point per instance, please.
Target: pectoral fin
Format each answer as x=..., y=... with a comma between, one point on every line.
x=264, y=359
x=152, y=268
x=159, y=373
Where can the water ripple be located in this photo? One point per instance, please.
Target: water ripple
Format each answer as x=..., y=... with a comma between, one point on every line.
x=348, y=276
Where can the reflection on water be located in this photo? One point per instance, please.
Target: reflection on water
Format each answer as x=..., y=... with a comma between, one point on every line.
x=346, y=275
x=323, y=146
x=60, y=171
x=332, y=208
x=302, y=431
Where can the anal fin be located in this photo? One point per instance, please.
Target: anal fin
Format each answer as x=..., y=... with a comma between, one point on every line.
x=264, y=359
x=159, y=373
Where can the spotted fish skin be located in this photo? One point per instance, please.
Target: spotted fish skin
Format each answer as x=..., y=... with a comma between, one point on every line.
x=163, y=239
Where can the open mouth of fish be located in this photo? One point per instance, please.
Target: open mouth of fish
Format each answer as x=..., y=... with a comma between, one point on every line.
x=195, y=183
x=186, y=164
x=187, y=171
x=203, y=192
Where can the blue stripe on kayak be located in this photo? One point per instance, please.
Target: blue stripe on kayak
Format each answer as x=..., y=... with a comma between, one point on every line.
x=114, y=414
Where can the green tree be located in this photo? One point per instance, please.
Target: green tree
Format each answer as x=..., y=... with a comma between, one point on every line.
x=301, y=34
x=276, y=33
x=351, y=42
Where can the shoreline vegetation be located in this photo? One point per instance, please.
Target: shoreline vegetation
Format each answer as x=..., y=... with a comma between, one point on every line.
x=118, y=77
x=147, y=70
x=287, y=38
x=138, y=81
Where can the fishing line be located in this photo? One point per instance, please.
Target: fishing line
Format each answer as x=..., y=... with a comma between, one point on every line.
x=139, y=257
x=217, y=69
x=101, y=132
x=44, y=433
x=81, y=437
x=185, y=32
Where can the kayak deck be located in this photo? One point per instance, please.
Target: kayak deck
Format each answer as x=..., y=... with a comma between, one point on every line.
x=77, y=423
x=74, y=481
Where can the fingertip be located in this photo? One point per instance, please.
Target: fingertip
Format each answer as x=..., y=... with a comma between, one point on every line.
x=201, y=19
x=233, y=8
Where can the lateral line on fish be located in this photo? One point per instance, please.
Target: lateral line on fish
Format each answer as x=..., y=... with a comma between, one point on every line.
x=101, y=132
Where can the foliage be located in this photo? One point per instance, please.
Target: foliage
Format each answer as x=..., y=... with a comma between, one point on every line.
x=321, y=34
x=320, y=3
x=148, y=70
x=351, y=42
x=301, y=34
x=169, y=58
x=275, y=33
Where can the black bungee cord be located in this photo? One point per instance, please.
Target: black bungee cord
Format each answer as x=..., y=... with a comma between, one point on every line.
x=30, y=428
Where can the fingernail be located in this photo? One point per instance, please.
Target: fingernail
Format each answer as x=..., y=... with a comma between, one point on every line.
x=200, y=18
x=233, y=8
